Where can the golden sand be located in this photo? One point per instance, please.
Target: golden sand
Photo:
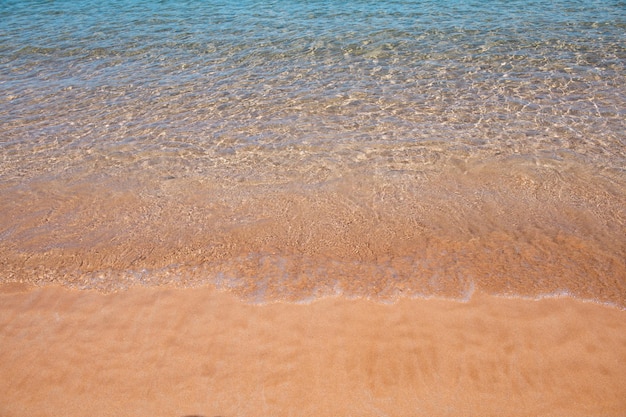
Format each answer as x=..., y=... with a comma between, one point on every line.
x=168, y=352
x=177, y=260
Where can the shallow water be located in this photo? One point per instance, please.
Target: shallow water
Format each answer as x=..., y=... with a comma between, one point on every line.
x=292, y=150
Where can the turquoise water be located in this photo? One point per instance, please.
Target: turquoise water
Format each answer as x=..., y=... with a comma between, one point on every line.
x=209, y=72
x=430, y=126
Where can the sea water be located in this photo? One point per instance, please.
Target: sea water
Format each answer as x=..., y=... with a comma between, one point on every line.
x=292, y=149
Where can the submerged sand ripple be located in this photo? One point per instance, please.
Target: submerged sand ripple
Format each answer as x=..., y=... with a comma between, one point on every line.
x=515, y=226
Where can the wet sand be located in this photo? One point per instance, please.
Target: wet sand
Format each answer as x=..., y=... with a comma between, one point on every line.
x=517, y=226
x=181, y=352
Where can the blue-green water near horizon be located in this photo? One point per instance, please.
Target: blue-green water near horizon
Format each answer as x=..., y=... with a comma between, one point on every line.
x=294, y=149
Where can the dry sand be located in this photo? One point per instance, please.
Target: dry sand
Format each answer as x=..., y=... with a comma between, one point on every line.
x=171, y=352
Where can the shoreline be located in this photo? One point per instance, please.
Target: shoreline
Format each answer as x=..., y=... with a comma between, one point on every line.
x=501, y=227
x=23, y=287
x=219, y=209
x=179, y=352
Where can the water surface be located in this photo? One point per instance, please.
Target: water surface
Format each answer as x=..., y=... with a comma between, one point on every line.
x=297, y=149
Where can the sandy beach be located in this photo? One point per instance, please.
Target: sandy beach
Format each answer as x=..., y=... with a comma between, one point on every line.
x=291, y=208
x=182, y=352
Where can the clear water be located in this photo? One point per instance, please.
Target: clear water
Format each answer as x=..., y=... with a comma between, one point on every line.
x=296, y=149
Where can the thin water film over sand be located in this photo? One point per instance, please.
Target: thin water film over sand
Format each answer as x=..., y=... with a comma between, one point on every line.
x=290, y=151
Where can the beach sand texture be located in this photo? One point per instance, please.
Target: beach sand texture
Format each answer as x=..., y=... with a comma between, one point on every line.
x=312, y=208
x=464, y=297
x=166, y=352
